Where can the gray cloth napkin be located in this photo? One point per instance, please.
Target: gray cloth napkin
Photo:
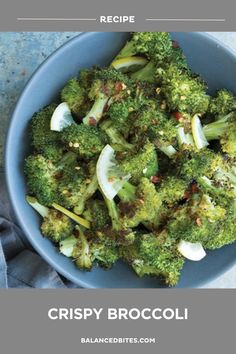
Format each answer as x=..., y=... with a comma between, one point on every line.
x=20, y=266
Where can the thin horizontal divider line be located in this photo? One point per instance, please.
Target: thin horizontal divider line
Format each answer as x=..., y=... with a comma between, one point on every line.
x=188, y=19
x=54, y=19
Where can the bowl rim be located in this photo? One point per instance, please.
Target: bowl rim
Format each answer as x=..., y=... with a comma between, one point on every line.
x=9, y=180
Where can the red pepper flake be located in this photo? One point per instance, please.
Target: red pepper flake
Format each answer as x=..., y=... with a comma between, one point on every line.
x=198, y=222
x=118, y=86
x=177, y=115
x=175, y=44
x=92, y=121
x=156, y=179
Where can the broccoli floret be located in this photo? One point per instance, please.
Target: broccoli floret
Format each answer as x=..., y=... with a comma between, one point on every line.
x=155, y=45
x=226, y=232
x=44, y=140
x=138, y=205
x=197, y=220
x=86, y=141
x=75, y=96
x=172, y=189
x=104, y=254
x=116, y=140
x=96, y=212
x=223, y=129
x=147, y=73
x=76, y=186
x=41, y=177
x=155, y=254
x=206, y=165
x=183, y=92
x=223, y=103
x=177, y=57
x=57, y=226
x=144, y=163
x=158, y=127
x=192, y=164
x=108, y=85
x=89, y=251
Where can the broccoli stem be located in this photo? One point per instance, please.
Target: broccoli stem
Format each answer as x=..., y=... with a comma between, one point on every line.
x=88, y=193
x=41, y=209
x=113, y=213
x=67, y=246
x=97, y=109
x=115, y=136
x=127, y=192
x=147, y=73
x=168, y=150
x=71, y=215
x=184, y=138
x=216, y=129
x=127, y=51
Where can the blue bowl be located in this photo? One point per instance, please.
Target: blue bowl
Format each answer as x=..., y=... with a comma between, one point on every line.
x=217, y=65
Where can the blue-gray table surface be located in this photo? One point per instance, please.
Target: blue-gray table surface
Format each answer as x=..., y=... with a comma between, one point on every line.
x=21, y=54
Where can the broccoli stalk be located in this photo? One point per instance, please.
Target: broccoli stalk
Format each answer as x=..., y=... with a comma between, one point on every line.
x=109, y=84
x=96, y=112
x=87, y=194
x=82, y=252
x=147, y=73
x=56, y=225
x=223, y=129
x=117, y=141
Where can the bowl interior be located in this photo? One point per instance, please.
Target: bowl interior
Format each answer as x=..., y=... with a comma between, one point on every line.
x=205, y=55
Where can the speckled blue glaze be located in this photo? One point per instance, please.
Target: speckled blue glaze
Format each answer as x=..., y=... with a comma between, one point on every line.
x=21, y=54
x=217, y=65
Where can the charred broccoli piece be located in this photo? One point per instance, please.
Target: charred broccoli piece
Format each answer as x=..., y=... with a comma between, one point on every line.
x=223, y=103
x=86, y=141
x=223, y=129
x=154, y=45
x=57, y=226
x=197, y=220
x=41, y=177
x=144, y=163
x=44, y=140
x=183, y=92
x=75, y=95
x=172, y=189
x=115, y=137
x=88, y=251
x=138, y=204
x=155, y=254
x=108, y=85
x=96, y=212
x=82, y=252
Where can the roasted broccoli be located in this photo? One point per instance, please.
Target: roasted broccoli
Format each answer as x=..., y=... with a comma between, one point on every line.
x=108, y=85
x=223, y=129
x=183, y=92
x=223, y=103
x=87, y=141
x=141, y=165
x=44, y=140
x=144, y=163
